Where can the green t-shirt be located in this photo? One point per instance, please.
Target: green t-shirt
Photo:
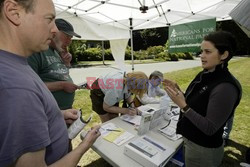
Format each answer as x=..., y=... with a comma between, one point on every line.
x=50, y=68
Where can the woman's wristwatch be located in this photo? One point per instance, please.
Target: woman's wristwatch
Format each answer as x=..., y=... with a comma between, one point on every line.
x=185, y=109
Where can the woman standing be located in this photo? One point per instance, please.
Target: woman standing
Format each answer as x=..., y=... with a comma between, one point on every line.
x=209, y=101
x=107, y=91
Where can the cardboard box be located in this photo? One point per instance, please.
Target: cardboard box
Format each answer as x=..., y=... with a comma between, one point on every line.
x=148, y=152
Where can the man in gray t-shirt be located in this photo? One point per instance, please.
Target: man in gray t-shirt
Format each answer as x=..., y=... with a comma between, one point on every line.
x=32, y=127
x=28, y=107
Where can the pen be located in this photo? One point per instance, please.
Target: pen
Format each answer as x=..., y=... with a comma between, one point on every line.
x=115, y=130
x=137, y=111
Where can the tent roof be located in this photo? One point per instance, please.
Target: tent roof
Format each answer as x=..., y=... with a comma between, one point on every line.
x=241, y=15
x=112, y=19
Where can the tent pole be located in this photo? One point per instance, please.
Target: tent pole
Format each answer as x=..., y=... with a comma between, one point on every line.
x=131, y=42
x=103, y=53
x=132, y=49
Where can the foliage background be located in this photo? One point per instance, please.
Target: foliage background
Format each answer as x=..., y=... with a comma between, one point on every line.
x=149, y=44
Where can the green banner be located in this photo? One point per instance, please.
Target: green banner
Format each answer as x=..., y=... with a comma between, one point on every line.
x=188, y=37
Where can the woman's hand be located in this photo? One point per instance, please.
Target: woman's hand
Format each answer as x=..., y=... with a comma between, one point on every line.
x=176, y=95
x=171, y=84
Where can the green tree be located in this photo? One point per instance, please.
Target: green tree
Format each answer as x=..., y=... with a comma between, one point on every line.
x=143, y=39
x=76, y=48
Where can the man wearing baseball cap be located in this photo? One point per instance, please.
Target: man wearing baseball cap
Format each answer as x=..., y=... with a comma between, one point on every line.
x=66, y=27
x=154, y=90
x=52, y=67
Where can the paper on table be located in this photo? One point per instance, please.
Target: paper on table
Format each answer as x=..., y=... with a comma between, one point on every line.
x=135, y=120
x=124, y=137
x=118, y=137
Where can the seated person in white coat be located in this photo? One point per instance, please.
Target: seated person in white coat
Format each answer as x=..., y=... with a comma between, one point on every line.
x=154, y=90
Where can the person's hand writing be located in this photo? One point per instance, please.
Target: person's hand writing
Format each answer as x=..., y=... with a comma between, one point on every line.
x=177, y=96
x=138, y=112
x=70, y=115
x=69, y=87
x=131, y=111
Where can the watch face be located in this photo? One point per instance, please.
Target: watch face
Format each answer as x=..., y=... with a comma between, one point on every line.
x=185, y=109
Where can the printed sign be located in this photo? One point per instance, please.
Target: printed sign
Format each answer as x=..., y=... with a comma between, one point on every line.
x=188, y=37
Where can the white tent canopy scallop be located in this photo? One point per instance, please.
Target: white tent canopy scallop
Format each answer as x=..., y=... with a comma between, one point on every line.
x=116, y=19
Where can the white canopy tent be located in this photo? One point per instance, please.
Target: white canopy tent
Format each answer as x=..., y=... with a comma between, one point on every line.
x=115, y=20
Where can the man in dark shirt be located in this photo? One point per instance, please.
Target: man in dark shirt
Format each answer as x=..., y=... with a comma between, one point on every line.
x=52, y=65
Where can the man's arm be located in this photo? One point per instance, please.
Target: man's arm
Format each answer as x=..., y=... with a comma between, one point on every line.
x=35, y=63
x=62, y=85
x=37, y=158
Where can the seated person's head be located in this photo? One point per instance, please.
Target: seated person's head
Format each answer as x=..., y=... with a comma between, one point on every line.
x=137, y=83
x=155, y=78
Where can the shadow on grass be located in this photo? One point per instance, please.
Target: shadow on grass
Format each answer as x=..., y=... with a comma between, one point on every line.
x=234, y=154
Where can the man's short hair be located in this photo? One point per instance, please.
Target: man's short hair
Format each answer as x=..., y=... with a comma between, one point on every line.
x=26, y=4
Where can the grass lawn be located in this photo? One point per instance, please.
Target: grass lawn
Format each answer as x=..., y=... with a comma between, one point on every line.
x=240, y=136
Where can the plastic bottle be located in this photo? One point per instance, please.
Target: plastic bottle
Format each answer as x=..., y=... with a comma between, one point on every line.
x=78, y=125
